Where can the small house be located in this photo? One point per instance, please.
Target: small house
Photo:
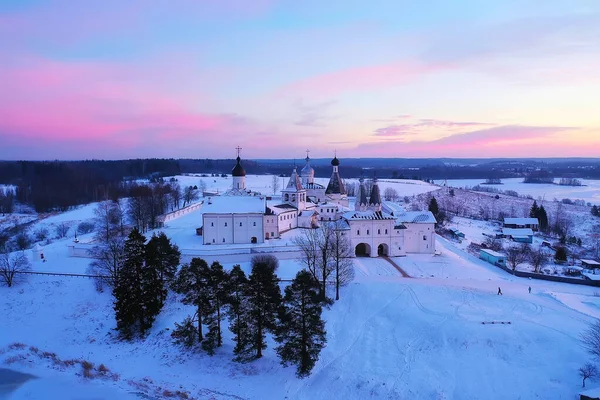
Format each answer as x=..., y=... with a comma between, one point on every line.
x=456, y=233
x=493, y=257
x=590, y=264
x=592, y=394
x=520, y=223
x=519, y=235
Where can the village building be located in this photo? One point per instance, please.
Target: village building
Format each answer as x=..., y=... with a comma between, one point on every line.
x=522, y=223
x=375, y=228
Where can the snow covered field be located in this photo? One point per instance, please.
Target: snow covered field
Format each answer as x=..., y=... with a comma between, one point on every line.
x=589, y=193
x=388, y=337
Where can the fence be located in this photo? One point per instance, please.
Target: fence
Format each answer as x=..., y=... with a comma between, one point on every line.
x=563, y=279
x=162, y=219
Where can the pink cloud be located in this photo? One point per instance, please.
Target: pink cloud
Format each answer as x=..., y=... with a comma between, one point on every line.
x=500, y=141
x=424, y=125
x=360, y=78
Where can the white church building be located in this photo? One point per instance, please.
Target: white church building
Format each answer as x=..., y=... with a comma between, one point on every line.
x=375, y=228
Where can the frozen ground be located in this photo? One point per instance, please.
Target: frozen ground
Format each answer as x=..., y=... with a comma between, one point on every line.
x=388, y=338
x=590, y=192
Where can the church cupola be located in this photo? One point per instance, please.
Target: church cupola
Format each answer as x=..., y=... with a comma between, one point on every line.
x=307, y=173
x=238, y=173
x=361, y=203
x=375, y=199
x=336, y=185
x=294, y=194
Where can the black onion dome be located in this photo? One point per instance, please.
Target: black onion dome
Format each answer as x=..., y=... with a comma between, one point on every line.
x=335, y=162
x=238, y=170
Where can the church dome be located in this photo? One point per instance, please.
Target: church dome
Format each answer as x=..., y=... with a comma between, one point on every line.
x=307, y=170
x=335, y=162
x=238, y=170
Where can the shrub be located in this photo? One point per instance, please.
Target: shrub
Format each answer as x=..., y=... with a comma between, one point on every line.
x=85, y=227
x=41, y=234
x=88, y=369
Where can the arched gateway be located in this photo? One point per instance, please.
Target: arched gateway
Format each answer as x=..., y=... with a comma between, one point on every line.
x=362, y=250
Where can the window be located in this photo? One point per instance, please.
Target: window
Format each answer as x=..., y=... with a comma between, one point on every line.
x=212, y=224
x=273, y=234
x=254, y=224
x=424, y=237
x=225, y=223
x=358, y=232
x=213, y=240
x=367, y=231
x=386, y=231
x=379, y=231
x=240, y=224
x=223, y=240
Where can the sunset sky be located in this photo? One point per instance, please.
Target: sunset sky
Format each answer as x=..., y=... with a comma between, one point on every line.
x=195, y=78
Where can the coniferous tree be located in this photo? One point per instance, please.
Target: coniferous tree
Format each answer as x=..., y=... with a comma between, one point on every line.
x=542, y=217
x=533, y=213
x=237, y=312
x=129, y=307
x=433, y=207
x=264, y=299
x=164, y=257
x=301, y=332
x=217, y=297
x=595, y=211
x=192, y=283
x=153, y=295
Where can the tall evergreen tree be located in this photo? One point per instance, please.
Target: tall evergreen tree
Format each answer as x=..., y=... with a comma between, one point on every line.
x=264, y=299
x=433, y=207
x=217, y=298
x=192, y=283
x=164, y=257
x=595, y=211
x=533, y=212
x=128, y=293
x=301, y=332
x=542, y=217
x=237, y=312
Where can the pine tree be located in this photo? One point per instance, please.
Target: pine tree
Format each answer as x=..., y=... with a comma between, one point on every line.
x=163, y=256
x=264, y=299
x=128, y=293
x=152, y=295
x=192, y=283
x=595, y=211
x=533, y=213
x=217, y=297
x=237, y=312
x=433, y=207
x=542, y=217
x=301, y=332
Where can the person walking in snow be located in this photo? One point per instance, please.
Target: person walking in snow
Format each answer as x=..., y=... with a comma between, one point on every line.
x=499, y=291
x=529, y=289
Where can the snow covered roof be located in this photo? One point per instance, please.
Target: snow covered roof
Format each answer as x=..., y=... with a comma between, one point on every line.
x=281, y=208
x=393, y=208
x=294, y=183
x=493, y=253
x=358, y=215
x=234, y=204
x=375, y=196
x=591, y=262
x=517, y=232
x=416, y=217
x=521, y=221
x=592, y=393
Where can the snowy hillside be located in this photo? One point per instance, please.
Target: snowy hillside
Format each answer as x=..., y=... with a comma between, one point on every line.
x=388, y=337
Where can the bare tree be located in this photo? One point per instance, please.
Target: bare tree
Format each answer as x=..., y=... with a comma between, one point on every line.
x=61, y=230
x=493, y=244
x=538, y=259
x=275, y=184
x=588, y=371
x=202, y=187
x=189, y=195
x=590, y=339
x=516, y=255
x=108, y=260
x=176, y=195
x=108, y=219
x=390, y=194
x=342, y=255
x=308, y=242
x=12, y=267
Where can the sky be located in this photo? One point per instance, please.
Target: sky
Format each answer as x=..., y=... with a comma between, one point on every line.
x=120, y=79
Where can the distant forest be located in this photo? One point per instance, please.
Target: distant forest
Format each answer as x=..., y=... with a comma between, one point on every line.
x=59, y=185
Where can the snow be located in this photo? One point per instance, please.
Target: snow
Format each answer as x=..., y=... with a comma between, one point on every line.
x=493, y=253
x=590, y=192
x=234, y=204
x=521, y=221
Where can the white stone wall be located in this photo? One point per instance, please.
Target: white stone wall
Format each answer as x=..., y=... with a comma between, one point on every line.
x=232, y=228
x=271, y=226
x=287, y=220
x=419, y=238
x=373, y=233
